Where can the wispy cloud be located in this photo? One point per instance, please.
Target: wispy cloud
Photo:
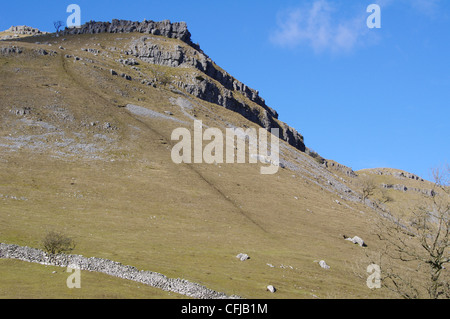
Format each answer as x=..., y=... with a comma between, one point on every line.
x=319, y=26
x=336, y=26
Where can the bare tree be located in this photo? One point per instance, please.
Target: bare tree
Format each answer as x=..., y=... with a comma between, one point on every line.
x=417, y=246
x=367, y=186
x=58, y=25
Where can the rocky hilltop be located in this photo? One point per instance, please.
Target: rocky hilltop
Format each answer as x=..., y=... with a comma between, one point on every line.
x=25, y=30
x=205, y=88
x=20, y=31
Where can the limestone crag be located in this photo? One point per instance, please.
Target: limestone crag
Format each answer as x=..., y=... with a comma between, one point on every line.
x=177, y=30
x=340, y=168
x=227, y=94
x=25, y=30
x=150, y=52
x=403, y=188
x=10, y=50
x=399, y=174
x=111, y=268
x=206, y=87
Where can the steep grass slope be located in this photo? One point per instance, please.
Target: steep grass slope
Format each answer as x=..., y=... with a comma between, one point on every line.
x=73, y=158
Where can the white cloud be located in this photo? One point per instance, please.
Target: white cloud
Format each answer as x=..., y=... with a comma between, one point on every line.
x=319, y=26
x=326, y=25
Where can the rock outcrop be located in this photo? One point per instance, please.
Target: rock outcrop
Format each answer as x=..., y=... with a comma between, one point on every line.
x=177, y=30
x=228, y=94
x=399, y=174
x=206, y=88
x=340, y=168
x=25, y=30
x=10, y=50
x=403, y=188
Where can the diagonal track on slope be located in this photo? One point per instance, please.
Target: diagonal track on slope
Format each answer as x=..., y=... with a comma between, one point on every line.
x=216, y=189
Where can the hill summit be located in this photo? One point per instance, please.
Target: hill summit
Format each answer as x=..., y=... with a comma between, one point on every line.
x=228, y=94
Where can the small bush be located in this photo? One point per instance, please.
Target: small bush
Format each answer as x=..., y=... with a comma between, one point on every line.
x=319, y=159
x=57, y=243
x=164, y=78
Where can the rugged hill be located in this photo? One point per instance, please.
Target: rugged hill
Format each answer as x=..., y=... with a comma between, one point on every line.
x=85, y=148
x=20, y=32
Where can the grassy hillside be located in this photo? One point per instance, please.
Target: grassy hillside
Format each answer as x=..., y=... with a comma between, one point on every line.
x=73, y=159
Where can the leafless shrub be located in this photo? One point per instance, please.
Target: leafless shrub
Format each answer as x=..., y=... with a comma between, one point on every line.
x=56, y=243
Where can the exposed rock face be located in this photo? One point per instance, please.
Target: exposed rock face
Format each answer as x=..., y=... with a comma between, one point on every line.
x=177, y=30
x=401, y=175
x=10, y=50
x=340, y=168
x=227, y=95
x=206, y=89
x=25, y=30
x=111, y=268
x=152, y=53
x=45, y=52
x=403, y=188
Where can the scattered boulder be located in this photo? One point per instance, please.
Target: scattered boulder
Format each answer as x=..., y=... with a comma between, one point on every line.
x=242, y=257
x=271, y=289
x=126, y=76
x=130, y=62
x=323, y=264
x=21, y=111
x=356, y=240
x=42, y=52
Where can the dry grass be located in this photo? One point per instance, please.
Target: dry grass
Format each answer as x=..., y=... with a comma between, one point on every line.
x=187, y=221
x=21, y=280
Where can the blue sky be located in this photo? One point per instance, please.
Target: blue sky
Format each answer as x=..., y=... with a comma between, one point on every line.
x=364, y=97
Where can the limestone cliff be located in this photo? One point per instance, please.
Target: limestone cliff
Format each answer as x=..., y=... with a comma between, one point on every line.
x=217, y=86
